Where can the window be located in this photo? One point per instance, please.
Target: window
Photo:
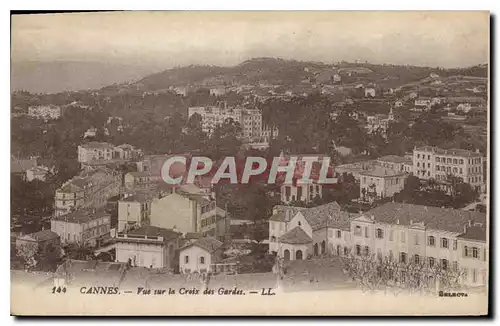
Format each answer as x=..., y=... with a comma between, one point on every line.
x=475, y=252
x=437, y=159
x=431, y=262
x=366, y=251
x=202, y=260
x=444, y=243
x=186, y=259
x=444, y=264
x=418, y=164
x=455, y=161
x=455, y=265
x=432, y=241
x=417, y=259
x=380, y=234
x=461, y=161
x=466, y=251
x=358, y=250
x=418, y=155
x=366, y=232
x=417, y=239
x=357, y=230
x=428, y=165
x=299, y=223
x=339, y=234
x=299, y=193
x=428, y=157
x=391, y=235
x=402, y=257
x=474, y=275
x=403, y=237
x=346, y=251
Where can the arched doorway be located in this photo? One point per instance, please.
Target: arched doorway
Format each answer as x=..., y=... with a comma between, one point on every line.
x=316, y=249
x=298, y=255
x=287, y=254
x=323, y=247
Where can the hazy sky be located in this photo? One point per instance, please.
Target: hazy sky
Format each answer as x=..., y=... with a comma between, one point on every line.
x=446, y=39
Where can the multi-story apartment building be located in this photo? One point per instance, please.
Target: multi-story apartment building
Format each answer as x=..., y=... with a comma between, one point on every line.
x=89, y=189
x=134, y=211
x=82, y=227
x=147, y=246
x=380, y=183
x=439, y=237
x=48, y=112
x=141, y=181
x=396, y=163
x=442, y=237
x=184, y=212
x=436, y=163
x=96, y=151
x=269, y=133
x=250, y=120
x=379, y=122
x=301, y=192
x=154, y=163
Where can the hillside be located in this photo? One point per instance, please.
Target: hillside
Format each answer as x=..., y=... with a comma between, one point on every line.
x=290, y=72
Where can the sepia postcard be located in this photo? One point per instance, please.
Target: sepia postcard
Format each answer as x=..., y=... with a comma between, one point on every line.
x=320, y=163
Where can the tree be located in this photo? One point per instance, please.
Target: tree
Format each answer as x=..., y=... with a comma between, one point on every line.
x=378, y=273
x=28, y=253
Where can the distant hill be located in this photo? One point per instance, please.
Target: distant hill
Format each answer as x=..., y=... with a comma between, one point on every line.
x=53, y=77
x=291, y=72
x=270, y=70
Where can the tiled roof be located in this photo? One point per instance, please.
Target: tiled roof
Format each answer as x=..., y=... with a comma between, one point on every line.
x=140, y=197
x=394, y=159
x=207, y=243
x=381, y=172
x=451, y=152
x=296, y=236
x=43, y=235
x=319, y=215
x=94, y=144
x=435, y=218
x=153, y=231
x=341, y=220
x=140, y=174
x=280, y=215
x=81, y=216
x=474, y=233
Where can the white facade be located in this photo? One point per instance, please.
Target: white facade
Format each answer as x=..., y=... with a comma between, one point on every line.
x=132, y=213
x=435, y=163
x=250, y=120
x=305, y=193
x=380, y=183
x=48, y=112
x=195, y=259
x=81, y=228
